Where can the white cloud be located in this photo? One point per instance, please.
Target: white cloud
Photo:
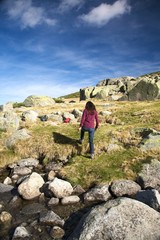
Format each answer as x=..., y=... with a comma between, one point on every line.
x=105, y=12
x=69, y=4
x=27, y=14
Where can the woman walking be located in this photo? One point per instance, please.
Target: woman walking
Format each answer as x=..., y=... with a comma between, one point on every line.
x=89, y=123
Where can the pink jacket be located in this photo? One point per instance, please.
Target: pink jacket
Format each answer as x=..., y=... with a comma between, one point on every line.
x=88, y=120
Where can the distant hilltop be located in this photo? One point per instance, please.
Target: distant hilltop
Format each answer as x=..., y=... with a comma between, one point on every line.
x=145, y=87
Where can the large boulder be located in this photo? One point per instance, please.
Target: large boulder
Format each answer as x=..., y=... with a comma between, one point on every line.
x=42, y=101
x=122, y=218
x=30, y=187
x=144, y=90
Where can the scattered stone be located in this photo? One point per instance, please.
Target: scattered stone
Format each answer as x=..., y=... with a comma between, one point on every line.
x=124, y=187
x=51, y=175
x=20, y=232
x=7, y=181
x=60, y=188
x=149, y=176
x=57, y=232
x=30, y=187
x=53, y=202
x=98, y=193
x=5, y=217
x=50, y=218
x=70, y=200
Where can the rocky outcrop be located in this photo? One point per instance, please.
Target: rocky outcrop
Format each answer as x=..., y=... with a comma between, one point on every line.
x=146, y=87
x=43, y=101
x=143, y=90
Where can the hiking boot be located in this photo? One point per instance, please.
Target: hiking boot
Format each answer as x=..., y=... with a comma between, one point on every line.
x=92, y=156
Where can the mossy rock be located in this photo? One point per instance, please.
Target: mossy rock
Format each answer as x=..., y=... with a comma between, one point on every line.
x=42, y=101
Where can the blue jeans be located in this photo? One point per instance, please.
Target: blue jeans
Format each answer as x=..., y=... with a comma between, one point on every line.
x=90, y=137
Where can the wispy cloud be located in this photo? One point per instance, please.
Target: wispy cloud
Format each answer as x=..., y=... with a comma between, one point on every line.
x=27, y=14
x=76, y=58
x=66, y=5
x=105, y=12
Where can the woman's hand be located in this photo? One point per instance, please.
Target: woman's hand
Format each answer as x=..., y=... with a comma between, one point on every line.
x=79, y=129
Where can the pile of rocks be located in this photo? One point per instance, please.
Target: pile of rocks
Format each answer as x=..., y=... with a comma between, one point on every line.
x=125, y=209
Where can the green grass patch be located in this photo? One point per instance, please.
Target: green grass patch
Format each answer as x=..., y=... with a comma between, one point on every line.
x=72, y=95
x=17, y=105
x=7, y=157
x=104, y=168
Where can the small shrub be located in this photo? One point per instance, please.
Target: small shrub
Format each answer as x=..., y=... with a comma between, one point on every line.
x=17, y=105
x=58, y=100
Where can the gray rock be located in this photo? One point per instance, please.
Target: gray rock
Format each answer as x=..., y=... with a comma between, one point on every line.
x=5, y=217
x=151, y=142
x=55, y=117
x=10, y=121
x=43, y=101
x=97, y=194
x=77, y=190
x=6, y=107
x=60, y=188
x=30, y=116
x=68, y=115
x=57, y=232
x=50, y=218
x=28, y=162
x=120, y=219
x=5, y=188
x=125, y=88
x=21, y=134
x=144, y=90
x=20, y=232
x=53, y=202
x=149, y=176
x=149, y=197
x=30, y=187
x=124, y=188
x=21, y=171
x=70, y=200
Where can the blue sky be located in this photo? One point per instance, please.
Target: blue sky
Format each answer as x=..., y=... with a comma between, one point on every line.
x=56, y=47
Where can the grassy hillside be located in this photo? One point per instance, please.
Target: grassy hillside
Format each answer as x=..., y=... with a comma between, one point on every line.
x=72, y=95
x=50, y=143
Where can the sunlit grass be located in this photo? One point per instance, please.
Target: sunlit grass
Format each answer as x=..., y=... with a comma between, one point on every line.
x=104, y=168
x=49, y=141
